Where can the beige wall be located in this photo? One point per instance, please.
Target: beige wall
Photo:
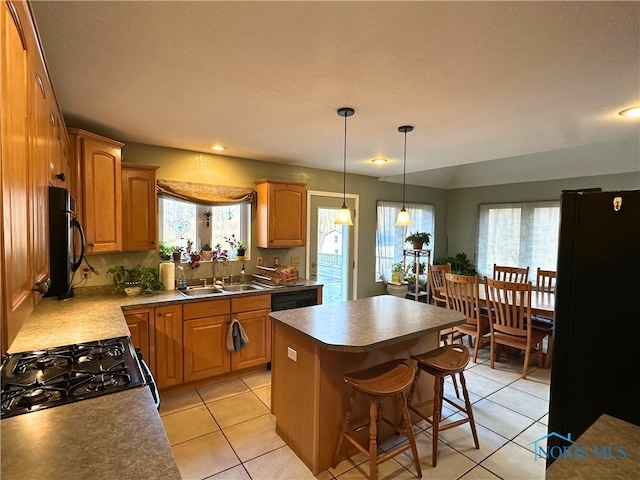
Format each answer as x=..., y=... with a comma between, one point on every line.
x=216, y=169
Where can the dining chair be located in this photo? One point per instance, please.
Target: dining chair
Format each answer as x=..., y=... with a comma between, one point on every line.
x=510, y=274
x=509, y=310
x=463, y=295
x=545, y=281
x=436, y=275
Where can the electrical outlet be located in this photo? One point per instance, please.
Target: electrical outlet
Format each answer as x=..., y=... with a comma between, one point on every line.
x=260, y=262
x=292, y=354
x=276, y=261
x=295, y=261
x=86, y=273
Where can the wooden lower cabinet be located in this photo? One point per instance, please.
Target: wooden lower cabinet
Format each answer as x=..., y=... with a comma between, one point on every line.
x=168, y=345
x=205, y=353
x=139, y=322
x=257, y=326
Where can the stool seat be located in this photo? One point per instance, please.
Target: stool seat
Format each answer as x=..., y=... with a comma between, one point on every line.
x=449, y=360
x=375, y=383
x=388, y=378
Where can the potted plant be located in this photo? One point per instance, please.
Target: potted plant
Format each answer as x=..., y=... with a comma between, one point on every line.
x=460, y=264
x=206, y=252
x=418, y=239
x=133, y=281
x=238, y=245
x=165, y=250
x=421, y=267
x=177, y=253
x=397, y=273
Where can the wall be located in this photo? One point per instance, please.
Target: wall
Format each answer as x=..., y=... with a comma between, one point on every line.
x=462, y=203
x=222, y=170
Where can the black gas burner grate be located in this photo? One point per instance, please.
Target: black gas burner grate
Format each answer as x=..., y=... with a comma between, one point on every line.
x=41, y=379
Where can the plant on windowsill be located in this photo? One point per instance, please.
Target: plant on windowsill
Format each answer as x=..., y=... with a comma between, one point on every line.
x=133, y=281
x=206, y=252
x=238, y=245
x=165, y=250
x=397, y=273
x=177, y=254
x=418, y=239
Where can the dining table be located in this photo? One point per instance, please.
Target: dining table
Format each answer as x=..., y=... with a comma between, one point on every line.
x=542, y=303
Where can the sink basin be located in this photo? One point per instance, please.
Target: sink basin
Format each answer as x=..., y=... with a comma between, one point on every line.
x=240, y=288
x=200, y=291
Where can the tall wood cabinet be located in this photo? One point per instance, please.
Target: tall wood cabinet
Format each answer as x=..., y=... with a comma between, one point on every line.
x=281, y=217
x=139, y=207
x=96, y=184
x=29, y=117
x=140, y=323
x=167, y=348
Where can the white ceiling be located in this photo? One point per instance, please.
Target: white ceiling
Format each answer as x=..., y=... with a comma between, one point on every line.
x=479, y=81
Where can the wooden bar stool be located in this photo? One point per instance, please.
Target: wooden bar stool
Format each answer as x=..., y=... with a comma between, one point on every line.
x=442, y=362
x=374, y=383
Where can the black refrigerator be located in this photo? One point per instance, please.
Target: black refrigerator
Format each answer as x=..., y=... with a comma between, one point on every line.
x=596, y=357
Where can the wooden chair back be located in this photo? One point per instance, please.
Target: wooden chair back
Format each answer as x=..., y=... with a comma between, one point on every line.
x=436, y=275
x=510, y=274
x=463, y=295
x=546, y=281
x=509, y=306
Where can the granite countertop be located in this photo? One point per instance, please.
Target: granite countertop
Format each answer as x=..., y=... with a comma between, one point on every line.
x=113, y=436
x=607, y=431
x=119, y=435
x=367, y=323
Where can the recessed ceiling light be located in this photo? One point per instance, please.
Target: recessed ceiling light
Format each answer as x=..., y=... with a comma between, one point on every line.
x=630, y=112
x=379, y=161
x=218, y=148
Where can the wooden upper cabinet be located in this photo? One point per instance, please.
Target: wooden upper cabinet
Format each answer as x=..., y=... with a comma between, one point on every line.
x=282, y=214
x=139, y=207
x=97, y=184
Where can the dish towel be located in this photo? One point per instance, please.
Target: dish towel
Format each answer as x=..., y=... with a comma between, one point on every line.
x=236, y=338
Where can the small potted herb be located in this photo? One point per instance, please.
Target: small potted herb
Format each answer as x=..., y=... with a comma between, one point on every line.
x=177, y=254
x=418, y=239
x=165, y=250
x=206, y=252
x=238, y=245
x=397, y=273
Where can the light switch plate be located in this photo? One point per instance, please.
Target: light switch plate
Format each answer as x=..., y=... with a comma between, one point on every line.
x=276, y=261
x=295, y=261
x=260, y=262
x=292, y=354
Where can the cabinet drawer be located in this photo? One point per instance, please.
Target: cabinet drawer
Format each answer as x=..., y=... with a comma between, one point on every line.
x=210, y=308
x=246, y=304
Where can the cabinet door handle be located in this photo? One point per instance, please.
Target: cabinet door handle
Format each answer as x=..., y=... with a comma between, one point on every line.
x=91, y=244
x=61, y=176
x=152, y=242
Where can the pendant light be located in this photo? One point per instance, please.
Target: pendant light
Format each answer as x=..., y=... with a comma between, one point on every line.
x=403, y=216
x=344, y=215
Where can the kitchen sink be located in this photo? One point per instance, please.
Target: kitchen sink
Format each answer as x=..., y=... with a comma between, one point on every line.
x=200, y=291
x=240, y=288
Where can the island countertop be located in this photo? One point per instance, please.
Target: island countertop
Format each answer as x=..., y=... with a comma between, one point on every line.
x=368, y=323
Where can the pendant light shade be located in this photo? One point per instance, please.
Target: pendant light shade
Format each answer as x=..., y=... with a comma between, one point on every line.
x=404, y=219
x=344, y=215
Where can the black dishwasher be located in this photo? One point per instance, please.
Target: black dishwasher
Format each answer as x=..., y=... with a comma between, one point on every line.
x=295, y=299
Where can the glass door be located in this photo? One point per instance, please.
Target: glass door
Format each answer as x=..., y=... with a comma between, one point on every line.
x=331, y=249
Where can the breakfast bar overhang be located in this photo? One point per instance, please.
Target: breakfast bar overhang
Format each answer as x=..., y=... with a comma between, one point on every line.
x=313, y=347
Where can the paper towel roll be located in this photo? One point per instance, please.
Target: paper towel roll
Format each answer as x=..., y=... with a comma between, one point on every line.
x=168, y=275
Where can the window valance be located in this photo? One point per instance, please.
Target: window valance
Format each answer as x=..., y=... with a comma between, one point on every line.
x=204, y=193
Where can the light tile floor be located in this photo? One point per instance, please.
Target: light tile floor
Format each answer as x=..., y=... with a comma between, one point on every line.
x=226, y=431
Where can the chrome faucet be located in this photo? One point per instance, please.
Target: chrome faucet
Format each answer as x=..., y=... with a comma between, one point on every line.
x=213, y=266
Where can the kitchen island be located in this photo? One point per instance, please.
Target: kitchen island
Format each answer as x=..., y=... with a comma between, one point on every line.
x=313, y=347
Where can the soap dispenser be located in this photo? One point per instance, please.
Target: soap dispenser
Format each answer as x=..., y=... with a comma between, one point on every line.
x=182, y=282
x=243, y=275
